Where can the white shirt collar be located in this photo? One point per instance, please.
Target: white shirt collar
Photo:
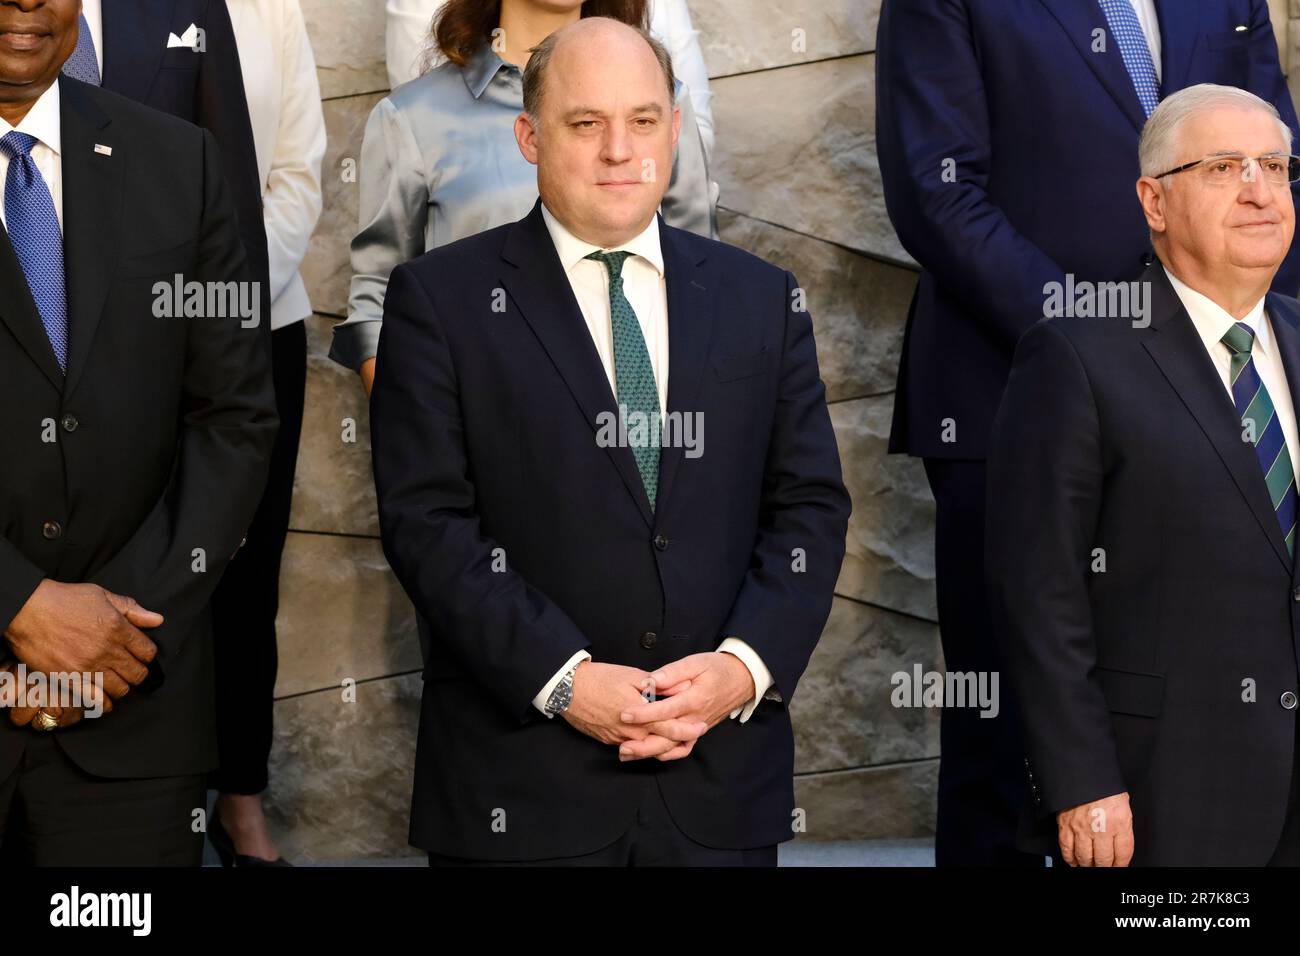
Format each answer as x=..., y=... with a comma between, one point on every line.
x=1212, y=321
x=41, y=121
x=573, y=250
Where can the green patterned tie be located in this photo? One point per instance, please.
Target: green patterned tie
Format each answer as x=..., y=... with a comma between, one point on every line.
x=634, y=374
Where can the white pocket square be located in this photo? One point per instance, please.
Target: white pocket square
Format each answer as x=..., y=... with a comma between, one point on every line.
x=189, y=39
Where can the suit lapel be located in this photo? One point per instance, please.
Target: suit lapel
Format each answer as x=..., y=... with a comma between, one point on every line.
x=691, y=288
x=92, y=198
x=540, y=290
x=1081, y=19
x=1180, y=353
x=1285, y=323
x=135, y=38
x=1180, y=25
x=18, y=311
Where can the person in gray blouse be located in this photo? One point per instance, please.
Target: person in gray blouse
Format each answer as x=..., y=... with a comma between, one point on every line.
x=439, y=160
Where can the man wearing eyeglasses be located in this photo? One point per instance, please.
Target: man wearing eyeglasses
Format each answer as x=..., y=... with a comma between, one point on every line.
x=1142, y=521
x=1007, y=133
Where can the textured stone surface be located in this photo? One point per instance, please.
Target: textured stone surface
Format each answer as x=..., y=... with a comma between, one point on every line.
x=813, y=171
x=889, y=556
x=868, y=804
x=855, y=303
x=342, y=615
x=341, y=772
x=347, y=39
x=842, y=713
x=334, y=488
x=738, y=36
x=326, y=269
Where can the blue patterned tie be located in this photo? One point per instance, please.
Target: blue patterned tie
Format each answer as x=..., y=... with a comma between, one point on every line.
x=1261, y=423
x=1124, y=26
x=33, y=229
x=82, y=65
x=633, y=373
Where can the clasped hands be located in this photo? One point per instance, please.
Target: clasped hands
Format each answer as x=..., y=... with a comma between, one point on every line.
x=80, y=629
x=695, y=693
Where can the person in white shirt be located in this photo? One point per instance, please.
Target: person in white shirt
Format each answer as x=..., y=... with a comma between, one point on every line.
x=410, y=50
x=284, y=106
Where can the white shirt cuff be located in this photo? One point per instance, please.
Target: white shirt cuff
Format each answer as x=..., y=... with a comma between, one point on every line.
x=540, y=700
x=757, y=670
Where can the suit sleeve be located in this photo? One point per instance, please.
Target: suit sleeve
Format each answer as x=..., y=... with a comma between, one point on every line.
x=1267, y=81
x=18, y=580
x=510, y=636
x=785, y=597
x=222, y=109
x=931, y=115
x=1044, y=497
x=228, y=425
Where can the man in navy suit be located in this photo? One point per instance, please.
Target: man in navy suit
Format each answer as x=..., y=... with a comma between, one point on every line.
x=563, y=565
x=1007, y=134
x=1142, y=521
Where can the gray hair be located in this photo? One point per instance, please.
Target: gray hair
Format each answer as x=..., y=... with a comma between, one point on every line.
x=535, y=71
x=1158, y=147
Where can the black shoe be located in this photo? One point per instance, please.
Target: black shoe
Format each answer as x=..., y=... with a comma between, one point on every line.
x=225, y=847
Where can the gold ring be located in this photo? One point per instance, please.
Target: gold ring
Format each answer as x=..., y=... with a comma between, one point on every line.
x=44, y=721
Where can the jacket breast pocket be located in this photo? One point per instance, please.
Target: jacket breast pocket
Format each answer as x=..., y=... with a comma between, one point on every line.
x=1227, y=40
x=1227, y=56
x=731, y=368
x=179, y=58
x=1131, y=692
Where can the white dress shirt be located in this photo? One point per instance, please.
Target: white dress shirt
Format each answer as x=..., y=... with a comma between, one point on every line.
x=647, y=293
x=1146, y=14
x=42, y=122
x=1212, y=323
x=284, y=109
x=408, y=37
x=94, y=13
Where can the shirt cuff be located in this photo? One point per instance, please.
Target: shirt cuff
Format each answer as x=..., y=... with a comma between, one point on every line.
x=540, y=700
x=757, y=670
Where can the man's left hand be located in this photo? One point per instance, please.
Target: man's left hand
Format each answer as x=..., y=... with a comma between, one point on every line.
x=702, y=687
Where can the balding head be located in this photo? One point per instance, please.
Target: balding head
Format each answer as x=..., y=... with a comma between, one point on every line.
x=600, y=124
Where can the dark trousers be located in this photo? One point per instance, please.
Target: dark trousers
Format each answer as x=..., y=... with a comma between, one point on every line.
x=653, y=839
x=53, y=813
x=248, y=597
x=981, y=763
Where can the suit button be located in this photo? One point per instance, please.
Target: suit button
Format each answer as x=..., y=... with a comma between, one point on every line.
x=661, y=542
x=51, y=530
x=1288, y=700
x=649, y=639
x=69, y=423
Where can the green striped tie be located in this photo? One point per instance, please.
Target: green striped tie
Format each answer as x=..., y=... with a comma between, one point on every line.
x=1261, y=426
x=635, y=377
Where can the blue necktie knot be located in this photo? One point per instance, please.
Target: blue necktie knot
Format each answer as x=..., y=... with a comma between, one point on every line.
x=17, y=144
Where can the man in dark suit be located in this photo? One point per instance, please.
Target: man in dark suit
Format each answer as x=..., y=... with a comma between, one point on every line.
x=136, y=421
x=179, y=56
x=1007, y=135
x=1142, y=521
x=563, y=565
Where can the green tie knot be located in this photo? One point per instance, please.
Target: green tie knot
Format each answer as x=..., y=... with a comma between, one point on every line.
x=1240, y=338
x=613, y=262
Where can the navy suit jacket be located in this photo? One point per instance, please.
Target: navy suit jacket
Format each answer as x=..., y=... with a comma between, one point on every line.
x=484, y=422
x=1038, y=136
x=204, y=88
x=1134, y=675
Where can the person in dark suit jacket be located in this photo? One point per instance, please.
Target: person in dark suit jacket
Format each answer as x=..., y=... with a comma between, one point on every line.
x=136, y=422
x=563, y=567
x=179, y=56
x=1142, y=521
x=1007, y=134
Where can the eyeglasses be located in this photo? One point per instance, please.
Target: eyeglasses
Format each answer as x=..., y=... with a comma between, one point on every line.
x=1225, y=168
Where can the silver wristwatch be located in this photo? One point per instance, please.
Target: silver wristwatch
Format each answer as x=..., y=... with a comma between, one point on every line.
x=562, y=696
